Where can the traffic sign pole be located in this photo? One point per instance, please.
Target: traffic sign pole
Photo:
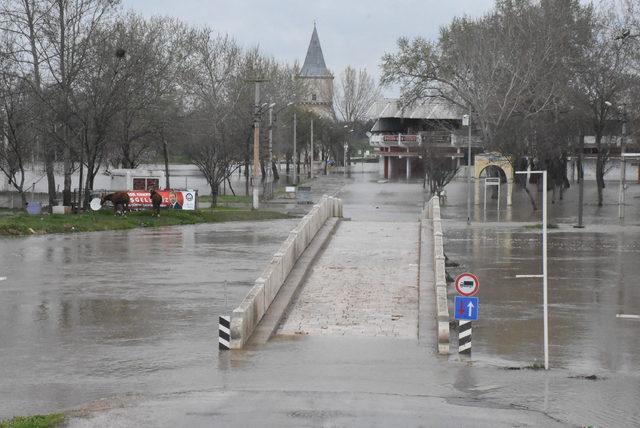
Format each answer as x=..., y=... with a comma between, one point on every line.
x=464, y=337
x=545, y=311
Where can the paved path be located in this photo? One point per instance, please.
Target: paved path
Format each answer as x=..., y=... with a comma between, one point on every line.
x=365, y=283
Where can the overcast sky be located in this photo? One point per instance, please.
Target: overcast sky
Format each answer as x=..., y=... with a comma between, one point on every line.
x=352, y=32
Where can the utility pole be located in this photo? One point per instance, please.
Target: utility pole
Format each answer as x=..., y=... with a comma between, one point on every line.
x=269, y=170
x=295, y=153
x=256, y=146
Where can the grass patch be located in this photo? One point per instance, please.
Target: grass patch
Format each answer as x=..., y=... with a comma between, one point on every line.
x=36, y=421
x=23, y=224
x=539, y=226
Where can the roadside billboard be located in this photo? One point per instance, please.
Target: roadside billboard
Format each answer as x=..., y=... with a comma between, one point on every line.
x=173, y=199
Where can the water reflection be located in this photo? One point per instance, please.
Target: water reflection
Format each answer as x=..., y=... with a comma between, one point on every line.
x=591, y=275
x=121, y=304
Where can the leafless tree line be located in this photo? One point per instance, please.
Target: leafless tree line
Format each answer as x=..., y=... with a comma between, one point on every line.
x=536, y=75
x=84, y=85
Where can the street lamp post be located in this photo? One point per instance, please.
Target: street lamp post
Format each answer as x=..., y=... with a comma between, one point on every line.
x=466, y=121
x=295, y=153
x=623, y=164
x=270, y=167
x=346, y=147
x=269, y=187
x=311, y=160
x=544, y=265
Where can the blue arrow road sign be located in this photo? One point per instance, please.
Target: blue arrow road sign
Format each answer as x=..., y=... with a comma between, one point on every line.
x=466, y=308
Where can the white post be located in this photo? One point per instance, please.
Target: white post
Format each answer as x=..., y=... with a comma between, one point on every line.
x=544, y=270
x=545, y=309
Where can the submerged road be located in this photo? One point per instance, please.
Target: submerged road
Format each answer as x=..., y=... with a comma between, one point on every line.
x=364, y=284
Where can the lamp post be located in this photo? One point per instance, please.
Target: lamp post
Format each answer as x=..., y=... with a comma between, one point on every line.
x=269, y=186
x=623, y=164
x=270, y=168
x=295, y=153
x=346, y=147
x=622, y=109
x=466, y=121
x=311, y=160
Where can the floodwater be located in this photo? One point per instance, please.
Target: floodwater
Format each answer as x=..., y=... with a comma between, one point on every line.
x=592, y=278
x=130, y=319
x=90, y=315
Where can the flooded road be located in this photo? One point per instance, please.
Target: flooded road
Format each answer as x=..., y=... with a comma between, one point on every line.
x=592, y=277
x=123, y=326
x=91, y=315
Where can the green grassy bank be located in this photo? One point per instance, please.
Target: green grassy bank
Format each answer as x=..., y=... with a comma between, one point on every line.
x=37, y=421
x=21, y=224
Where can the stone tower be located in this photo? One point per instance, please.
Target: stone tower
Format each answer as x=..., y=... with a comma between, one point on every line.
x=317, y=80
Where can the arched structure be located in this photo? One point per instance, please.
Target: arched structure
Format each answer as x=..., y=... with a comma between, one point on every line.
x=485, y=160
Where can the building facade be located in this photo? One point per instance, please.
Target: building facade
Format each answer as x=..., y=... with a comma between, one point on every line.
x=400, y=135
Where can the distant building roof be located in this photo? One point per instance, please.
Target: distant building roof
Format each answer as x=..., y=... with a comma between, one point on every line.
x=314, y=65
x=429, y=108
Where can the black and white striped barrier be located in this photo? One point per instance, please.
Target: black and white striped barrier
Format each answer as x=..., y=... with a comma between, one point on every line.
x=464, y=337
x=224, y=332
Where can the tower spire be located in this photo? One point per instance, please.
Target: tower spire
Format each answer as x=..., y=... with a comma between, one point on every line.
x=314, y=65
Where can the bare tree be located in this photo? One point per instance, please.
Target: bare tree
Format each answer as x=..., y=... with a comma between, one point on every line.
x=355, y=93
x=16, y=131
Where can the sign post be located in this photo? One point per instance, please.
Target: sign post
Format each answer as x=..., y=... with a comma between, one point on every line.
x=545, y=311
x=465, y=309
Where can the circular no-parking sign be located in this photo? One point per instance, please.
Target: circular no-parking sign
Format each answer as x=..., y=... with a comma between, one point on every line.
x=467, y=284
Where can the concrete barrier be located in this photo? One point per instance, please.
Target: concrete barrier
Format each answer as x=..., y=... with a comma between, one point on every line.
x=248, y=314
x=432, y=212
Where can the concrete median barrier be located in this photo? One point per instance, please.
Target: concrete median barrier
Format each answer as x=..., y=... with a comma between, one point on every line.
x=431, y=216
x=248, y=314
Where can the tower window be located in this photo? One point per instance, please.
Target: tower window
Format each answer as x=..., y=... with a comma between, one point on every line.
x=313, y=97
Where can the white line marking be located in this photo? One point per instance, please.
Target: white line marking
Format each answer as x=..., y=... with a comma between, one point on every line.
x=2, y=278
x=633, y=317
x=529, y=276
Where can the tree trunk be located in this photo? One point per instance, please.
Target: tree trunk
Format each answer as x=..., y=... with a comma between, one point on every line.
x=214, y=196
x=246, y=176
x=49, y=156
x=600, y=177
x=66, y=192
x=581, y=182
x=274, y=168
